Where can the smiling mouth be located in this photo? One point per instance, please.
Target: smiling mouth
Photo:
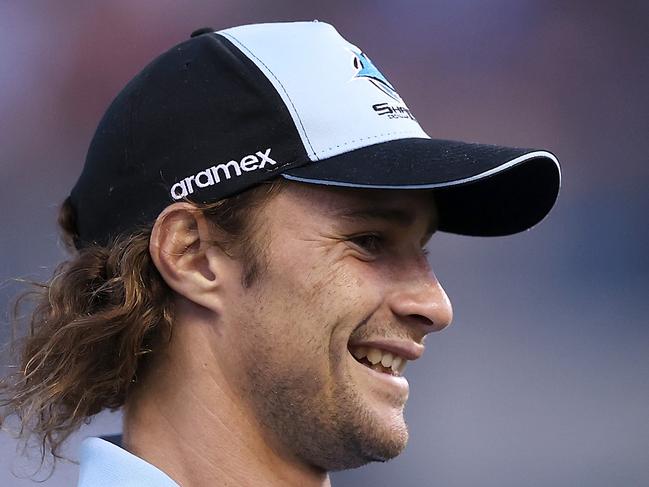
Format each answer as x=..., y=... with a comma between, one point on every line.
x=379, y=360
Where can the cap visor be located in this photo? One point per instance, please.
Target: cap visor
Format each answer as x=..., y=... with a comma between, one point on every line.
x=481, y=190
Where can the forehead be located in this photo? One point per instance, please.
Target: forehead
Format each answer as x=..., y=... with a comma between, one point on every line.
x=399, y=206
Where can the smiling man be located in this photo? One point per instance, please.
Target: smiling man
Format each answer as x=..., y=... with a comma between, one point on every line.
x=248, y=278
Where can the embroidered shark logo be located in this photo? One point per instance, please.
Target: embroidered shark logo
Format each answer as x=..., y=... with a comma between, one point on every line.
x=367, y=70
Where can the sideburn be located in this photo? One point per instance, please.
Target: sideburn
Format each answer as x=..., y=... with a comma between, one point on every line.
x=253, y=261
x=251, y=271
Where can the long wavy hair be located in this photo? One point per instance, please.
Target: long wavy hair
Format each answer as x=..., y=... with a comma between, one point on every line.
x=92, y=328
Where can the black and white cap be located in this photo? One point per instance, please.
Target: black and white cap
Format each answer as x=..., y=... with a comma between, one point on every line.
x=226, y=110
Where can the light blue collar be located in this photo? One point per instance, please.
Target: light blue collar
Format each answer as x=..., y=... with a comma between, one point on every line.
x=103, y=464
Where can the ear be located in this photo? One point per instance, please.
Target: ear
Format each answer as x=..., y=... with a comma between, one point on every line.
x=183, y=250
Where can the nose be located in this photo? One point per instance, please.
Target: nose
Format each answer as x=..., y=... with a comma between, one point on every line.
x=421, y=299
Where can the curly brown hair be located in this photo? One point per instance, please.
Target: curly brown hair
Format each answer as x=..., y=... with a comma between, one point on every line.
x=100, y=318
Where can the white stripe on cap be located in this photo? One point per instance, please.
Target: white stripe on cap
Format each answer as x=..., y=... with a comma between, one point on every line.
x=476, y=177
x=312, y=68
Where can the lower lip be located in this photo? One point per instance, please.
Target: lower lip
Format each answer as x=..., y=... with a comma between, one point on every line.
x=399, y=383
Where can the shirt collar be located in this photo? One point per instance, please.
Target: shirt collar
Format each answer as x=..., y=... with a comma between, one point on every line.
x=103, y=464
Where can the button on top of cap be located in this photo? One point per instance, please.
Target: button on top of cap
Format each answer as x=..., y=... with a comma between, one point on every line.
x=201, y=31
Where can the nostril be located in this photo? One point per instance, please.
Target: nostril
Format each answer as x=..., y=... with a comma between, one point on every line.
x=422, y=322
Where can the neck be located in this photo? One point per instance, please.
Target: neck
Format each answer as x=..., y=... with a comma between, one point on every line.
x=191, y=424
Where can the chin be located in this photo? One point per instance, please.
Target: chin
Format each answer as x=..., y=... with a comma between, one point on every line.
x=365, y=435
x=381, y=439
x=388, y=444
x=372, y=449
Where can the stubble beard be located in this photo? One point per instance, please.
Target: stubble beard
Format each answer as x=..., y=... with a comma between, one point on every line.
x=330, y=427
x=325, y=425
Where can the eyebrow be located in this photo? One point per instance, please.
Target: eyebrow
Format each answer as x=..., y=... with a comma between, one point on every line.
x=402, y=218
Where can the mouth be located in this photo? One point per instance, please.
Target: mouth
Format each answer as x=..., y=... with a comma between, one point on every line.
x=379, y=360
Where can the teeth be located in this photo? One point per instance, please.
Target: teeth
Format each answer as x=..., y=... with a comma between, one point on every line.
x=376, y=356
x=386, y=361
x=359, y=352
x=396, y=363
x=402, y=367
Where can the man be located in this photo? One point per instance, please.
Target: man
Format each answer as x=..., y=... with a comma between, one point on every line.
x=249, y=278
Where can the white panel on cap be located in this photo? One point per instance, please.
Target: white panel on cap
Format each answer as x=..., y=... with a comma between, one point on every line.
x=312, y=68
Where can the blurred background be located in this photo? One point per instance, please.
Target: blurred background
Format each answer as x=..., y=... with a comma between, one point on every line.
x=543, y=379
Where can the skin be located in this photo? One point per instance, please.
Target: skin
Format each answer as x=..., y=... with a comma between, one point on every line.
x=257, y=386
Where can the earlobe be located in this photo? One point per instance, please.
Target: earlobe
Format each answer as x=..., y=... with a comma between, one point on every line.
x=183, y=251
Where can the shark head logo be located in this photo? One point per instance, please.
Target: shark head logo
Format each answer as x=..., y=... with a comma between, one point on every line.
x=367, y=70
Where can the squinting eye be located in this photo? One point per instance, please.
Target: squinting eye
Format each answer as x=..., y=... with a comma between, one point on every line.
x=370, y=242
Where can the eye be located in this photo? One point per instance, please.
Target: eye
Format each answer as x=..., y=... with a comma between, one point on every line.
x=369, y=242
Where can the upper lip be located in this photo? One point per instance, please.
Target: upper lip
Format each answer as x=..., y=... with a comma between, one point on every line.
x=404, y=348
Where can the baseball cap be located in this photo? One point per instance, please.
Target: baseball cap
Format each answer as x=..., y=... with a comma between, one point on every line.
x=226, y=110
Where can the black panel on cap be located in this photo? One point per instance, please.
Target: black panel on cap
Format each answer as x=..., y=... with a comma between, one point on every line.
x=201, y=31
x=202, y=103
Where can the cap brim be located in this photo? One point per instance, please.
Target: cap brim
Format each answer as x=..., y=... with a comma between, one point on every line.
x=480, y=190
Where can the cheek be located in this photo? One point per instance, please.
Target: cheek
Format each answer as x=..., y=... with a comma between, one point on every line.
x=282, y=321
x=305, y=309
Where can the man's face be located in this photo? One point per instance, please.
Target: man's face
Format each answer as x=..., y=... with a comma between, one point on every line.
x=344, y=275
